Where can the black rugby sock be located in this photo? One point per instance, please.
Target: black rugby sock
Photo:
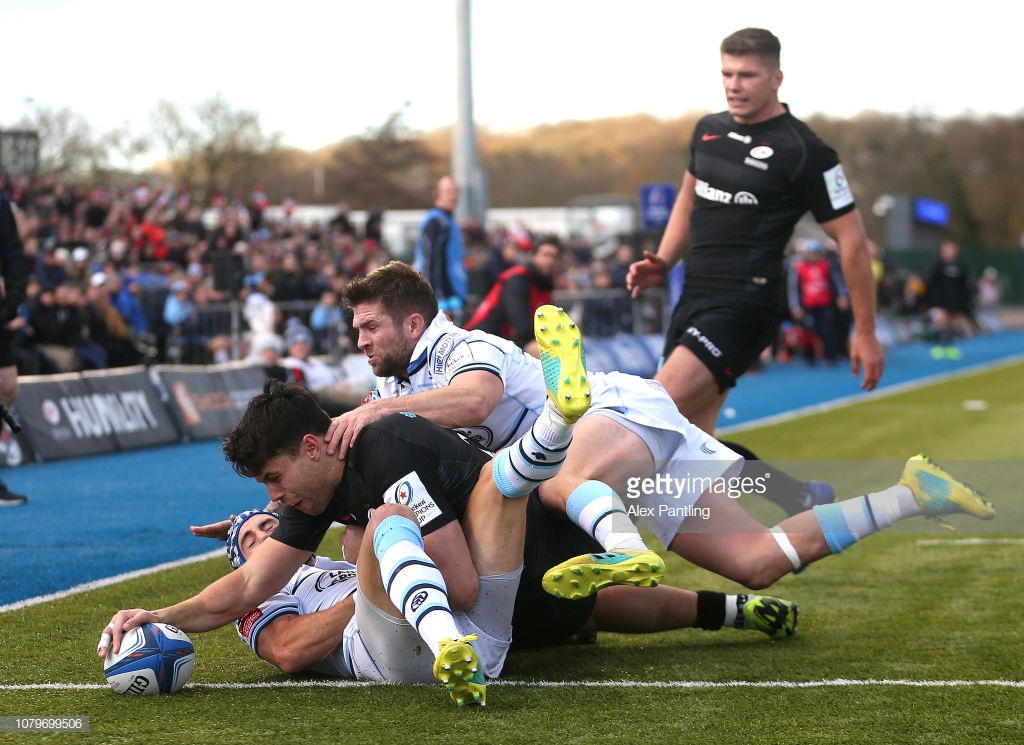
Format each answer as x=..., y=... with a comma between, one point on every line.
x=710, y=610
x=781, y=488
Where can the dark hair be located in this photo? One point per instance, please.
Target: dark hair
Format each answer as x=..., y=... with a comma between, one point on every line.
x=273, y=424
x=398, y=287
x=757, y=41
x=548, y=240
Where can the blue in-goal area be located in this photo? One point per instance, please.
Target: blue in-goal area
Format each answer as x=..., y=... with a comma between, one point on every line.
x=92, y=518
x=89, y=519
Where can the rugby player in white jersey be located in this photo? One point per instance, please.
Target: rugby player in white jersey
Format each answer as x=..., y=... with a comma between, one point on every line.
x=680, y=481
x=303, y=627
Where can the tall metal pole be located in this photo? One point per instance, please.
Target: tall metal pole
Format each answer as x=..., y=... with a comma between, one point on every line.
x=465, y=165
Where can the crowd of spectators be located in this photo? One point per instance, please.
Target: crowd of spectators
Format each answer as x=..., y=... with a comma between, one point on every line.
x=137, y=273
x=140, y=272
x=913, y=305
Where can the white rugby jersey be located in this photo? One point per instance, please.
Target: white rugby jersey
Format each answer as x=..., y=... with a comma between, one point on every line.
x=311, y=589
x=445, y=350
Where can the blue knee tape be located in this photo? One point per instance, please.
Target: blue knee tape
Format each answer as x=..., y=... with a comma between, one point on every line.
x=501, y=480
x=833, y=524
x=583, y=495
x=393, y=529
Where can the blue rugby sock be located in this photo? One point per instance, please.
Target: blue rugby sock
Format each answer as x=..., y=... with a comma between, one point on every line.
x=598, y=510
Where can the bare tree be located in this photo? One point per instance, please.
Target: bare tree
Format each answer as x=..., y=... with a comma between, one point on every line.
x=67, y=144
x=213, y=146
x=126, y=144
x=386, y=166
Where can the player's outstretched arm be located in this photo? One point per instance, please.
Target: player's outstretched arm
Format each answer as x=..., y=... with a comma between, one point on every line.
x=263, y=574
x=295, y=642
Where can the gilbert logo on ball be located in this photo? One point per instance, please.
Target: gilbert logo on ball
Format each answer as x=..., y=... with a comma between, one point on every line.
x=154, y=658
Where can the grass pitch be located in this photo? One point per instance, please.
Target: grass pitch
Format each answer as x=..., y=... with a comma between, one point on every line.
x=910, y=636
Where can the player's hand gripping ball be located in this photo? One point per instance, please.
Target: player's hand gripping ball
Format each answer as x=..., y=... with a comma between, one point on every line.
x=154, y=658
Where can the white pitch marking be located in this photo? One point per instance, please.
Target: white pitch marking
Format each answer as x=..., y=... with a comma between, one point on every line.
x=688, y=684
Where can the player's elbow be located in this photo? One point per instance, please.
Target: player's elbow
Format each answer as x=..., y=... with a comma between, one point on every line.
x=475, y=408
x=293, y=660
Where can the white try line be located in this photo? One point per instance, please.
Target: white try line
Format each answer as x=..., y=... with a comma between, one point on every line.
x=682, y=684
x=970, y=542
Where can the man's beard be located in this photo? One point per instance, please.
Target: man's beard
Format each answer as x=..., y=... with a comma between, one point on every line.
x=393, y=365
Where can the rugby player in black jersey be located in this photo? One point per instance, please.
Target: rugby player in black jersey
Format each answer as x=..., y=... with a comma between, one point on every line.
x=303, y=628
x=754, y=170
x=444, y=520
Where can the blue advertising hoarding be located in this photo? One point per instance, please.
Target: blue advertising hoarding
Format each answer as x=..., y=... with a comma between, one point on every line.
x=656, y=202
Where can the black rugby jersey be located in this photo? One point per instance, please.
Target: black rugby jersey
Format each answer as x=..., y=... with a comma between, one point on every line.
x=402, y=459
x=754, y=182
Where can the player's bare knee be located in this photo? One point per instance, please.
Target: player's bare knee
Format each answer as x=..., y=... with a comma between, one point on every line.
x=462, y=595
x=553, y=493
x=760, y=566
x=387, y=510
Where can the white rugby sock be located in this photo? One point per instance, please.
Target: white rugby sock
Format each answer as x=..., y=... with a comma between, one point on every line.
x=413, y=581
x=534, y=457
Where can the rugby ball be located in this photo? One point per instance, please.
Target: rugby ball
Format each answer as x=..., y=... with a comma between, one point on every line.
x=154, y=658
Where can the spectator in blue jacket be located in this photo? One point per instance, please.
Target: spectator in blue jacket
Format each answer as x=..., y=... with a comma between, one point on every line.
x=440, y=256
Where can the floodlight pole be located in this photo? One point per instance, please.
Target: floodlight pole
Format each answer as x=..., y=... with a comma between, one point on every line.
x=465, y=166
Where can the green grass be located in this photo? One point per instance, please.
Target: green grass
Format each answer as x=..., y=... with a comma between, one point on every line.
x=902, y=606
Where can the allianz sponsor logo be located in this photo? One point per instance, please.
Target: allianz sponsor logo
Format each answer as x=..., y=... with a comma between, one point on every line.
x=705, y=342
x=706, y=191
x=100, y=414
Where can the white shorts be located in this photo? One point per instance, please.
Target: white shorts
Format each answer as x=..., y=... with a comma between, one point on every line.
x=687, y=460
x=383, y=648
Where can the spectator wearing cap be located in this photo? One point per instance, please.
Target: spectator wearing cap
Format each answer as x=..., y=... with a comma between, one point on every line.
x=106, y=326
x=179, y=307
x=80, y=269
x=265, y=350
x=324, y=381
x=184, y=342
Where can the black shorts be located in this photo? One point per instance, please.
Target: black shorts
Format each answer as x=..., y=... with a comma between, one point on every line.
x=541, y=619
x=727, y=332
